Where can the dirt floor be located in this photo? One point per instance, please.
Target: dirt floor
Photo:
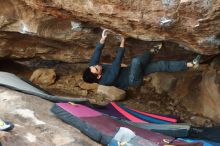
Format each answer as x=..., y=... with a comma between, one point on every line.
x=144, y=98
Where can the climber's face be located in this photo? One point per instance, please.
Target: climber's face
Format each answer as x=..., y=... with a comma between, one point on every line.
x=96, y=69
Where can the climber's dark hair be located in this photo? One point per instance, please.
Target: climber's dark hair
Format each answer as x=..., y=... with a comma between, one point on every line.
x=89, y=77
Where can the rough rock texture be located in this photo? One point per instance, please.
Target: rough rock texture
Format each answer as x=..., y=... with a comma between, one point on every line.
x=198, y=91
x=163, y=82
x=192, y=23
x=112, y=93
x=210, y=94
x=23, y=46
x=69, y=83
x=43, y=76
x=35, y=125
x=66, y=31
x=88, y=86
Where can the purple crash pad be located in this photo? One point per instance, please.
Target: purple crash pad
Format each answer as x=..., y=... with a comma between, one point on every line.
x=106, y=126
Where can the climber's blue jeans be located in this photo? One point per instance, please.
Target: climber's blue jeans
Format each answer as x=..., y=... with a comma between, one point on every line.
x=141, y=66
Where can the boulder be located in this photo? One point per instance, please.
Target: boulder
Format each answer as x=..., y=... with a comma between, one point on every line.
x=199, y=120
x=197, y=90
x=35, y=125
x=43, y=76
x=182, y=21
x=67, y=30
x=112, y=93
x=210, y=94
x=88, y=86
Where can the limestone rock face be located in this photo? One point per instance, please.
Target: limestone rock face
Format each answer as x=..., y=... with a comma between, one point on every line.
x=210, y=94
x=193, y=24
x=198, y=91
x=67, y=31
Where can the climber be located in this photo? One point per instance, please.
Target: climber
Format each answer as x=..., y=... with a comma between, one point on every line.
x=132, y=75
